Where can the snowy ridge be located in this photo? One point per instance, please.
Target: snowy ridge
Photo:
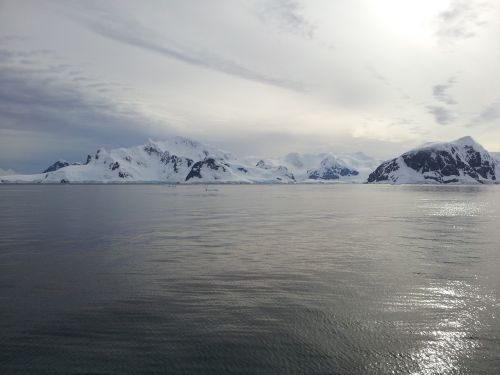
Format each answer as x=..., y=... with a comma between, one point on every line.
x=177, y=160
x=322, y=167
x=58, y=165
x=181, y=160
x=329, y=167
x=463, y=161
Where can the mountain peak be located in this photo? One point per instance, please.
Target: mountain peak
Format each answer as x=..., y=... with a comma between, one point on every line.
x=463, y=161
x=467, y=140
x=58, y=165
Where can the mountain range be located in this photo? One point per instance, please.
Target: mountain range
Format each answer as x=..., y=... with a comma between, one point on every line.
x=182, y=160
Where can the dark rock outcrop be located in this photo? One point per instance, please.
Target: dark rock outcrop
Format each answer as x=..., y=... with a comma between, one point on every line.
x=461, y=161
x=209, y=163
x=58, y=165
x=330, y=169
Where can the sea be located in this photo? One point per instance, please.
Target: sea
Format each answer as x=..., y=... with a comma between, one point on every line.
x=249, y=279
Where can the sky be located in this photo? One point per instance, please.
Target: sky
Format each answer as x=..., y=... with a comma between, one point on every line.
x=253, y=77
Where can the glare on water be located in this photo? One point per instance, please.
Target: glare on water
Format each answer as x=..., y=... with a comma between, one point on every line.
x=257, y=279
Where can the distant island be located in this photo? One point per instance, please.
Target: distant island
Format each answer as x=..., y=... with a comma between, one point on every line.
x=181, y=160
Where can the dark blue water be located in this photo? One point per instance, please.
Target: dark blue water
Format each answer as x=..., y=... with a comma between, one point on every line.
x=337, y=279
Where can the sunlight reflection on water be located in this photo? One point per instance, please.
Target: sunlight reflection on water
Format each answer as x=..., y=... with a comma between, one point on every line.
x=451, y=343
x=361, y=280
x=454, y=208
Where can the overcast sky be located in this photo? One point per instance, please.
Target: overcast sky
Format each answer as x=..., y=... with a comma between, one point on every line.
x=252, y=76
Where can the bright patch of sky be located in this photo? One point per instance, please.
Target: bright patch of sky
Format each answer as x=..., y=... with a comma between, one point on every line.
x=260, y=77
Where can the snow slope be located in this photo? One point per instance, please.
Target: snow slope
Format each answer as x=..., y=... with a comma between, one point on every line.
x=496, y=157
x=329, y=167
x=463, y=161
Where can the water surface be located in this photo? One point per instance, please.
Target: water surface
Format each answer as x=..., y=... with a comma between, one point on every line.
x=335, y=279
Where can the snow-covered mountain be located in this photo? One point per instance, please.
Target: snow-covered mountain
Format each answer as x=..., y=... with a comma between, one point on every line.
x=463, y=161
x=328, y=167
x=177, y=160
x=181, y=160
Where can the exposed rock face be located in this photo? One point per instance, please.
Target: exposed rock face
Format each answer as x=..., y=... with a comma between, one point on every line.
x=331, y=169
x=461, y=161
x=114, y=166
x=282, y=173
x=58, y=165
x=207, y=164
x=328, y=167
x=176, y=161
x=262, y=164
x=385, y=171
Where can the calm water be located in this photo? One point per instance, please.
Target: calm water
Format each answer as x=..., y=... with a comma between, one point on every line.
x=249, y=280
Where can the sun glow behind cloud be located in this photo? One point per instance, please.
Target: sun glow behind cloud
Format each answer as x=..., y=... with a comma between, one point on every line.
x=357, y=74
x=407, y=18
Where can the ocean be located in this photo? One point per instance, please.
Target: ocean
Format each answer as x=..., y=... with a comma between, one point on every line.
x=249, y=279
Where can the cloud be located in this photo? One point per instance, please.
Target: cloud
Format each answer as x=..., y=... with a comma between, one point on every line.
x=489, y=114
x=125, y=29
x=6, y=172
x=24, y=57
x=440, y=92
x=28, y=102
x=376, y=74
x=35, y=104
x=442, y=115
x=4, y=39
x=461, y=20
x=288, y=16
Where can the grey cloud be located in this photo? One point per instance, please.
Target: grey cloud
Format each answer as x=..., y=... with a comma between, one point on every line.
x=461, y=20
x=376, y=74
x=6, y=172
x=288, y=16
x=39, y=62
x=131, y=32
x=81, y=79
x=401, y=121
x=442, y=115
x=489, y=114
x=410, y=125
x=440, y=92
x=6, y=54
x=11, y=38
x=33, y=103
